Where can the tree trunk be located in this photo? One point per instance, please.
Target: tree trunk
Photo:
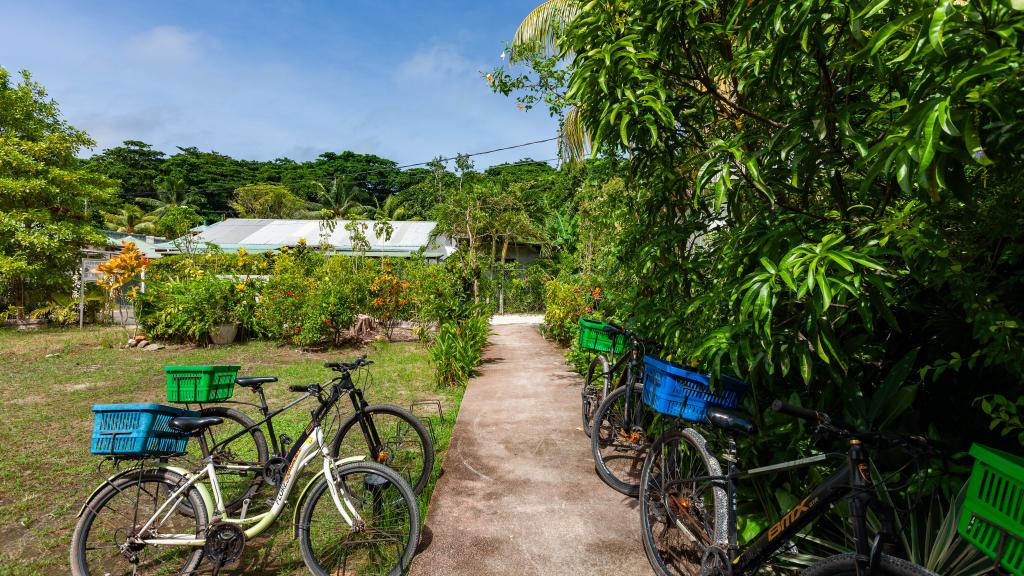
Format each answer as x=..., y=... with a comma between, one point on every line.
x=504, y=251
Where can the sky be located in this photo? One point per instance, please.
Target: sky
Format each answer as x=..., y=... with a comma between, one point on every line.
x=259, y=81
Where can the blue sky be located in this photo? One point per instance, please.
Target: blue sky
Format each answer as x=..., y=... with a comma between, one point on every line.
x=266, y=80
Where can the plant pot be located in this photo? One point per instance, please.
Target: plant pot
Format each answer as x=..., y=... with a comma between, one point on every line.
x=223, y=334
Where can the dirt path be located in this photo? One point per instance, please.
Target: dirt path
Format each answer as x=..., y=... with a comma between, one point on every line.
x=519, y=494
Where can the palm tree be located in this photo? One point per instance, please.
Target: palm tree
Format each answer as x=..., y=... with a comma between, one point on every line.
x=337, y=201
x=391, y=209
x=131, y=219
x=540, y=31
x=172, y=192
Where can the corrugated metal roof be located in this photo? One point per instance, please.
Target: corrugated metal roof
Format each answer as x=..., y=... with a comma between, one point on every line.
x=258, y=235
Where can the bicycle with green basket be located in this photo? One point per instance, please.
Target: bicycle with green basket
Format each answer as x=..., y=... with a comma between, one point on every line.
x=623, y=424
x=607, y=342
x=387, y=434
x=352, y=517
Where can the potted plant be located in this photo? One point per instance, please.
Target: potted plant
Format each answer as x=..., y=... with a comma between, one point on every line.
x=223, y=314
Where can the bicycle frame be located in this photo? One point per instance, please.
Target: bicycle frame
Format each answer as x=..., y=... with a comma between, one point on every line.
x=359, y=404
x=851, y=480
x=309, y=446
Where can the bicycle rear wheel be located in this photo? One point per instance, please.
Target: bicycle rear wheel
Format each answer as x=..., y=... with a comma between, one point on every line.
x=682, y=511
x=101, y=542
x=846, y=565
x=405, y=445
x=619, y=441
x=598, y=380
x=240, y=462
x=381, y=543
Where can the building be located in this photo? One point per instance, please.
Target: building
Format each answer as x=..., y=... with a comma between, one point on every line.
x=264, y=234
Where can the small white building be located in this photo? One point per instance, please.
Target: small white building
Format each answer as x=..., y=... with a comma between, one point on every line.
x=267, y=234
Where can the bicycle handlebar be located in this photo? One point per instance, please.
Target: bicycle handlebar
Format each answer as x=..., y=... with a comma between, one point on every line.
x=343, y=366
x=299, y=388
x=796, y=411
x=829, y=424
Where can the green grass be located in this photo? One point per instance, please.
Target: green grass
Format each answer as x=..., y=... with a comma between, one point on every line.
x=49, y=380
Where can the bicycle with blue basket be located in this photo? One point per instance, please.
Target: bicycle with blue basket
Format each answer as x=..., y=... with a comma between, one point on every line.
x=688, y=500
x=156, y=517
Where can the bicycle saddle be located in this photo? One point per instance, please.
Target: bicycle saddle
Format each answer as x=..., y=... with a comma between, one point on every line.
x=728, y=420
x=192, y=424
x=250, y=381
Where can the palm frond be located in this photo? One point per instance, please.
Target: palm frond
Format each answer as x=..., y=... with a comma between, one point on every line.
x=542, y=26
x=574, y=141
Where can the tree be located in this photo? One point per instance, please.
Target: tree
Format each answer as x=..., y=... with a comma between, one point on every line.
x=47, y=201
x=136, y=165
x=266, y=201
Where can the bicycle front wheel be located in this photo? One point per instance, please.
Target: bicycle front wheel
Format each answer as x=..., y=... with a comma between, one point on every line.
x=105, y=540
x=846, y=565
x=384, y=538
x=403, y=443
x=682, y=510
x=619, y=440
x=598, y=380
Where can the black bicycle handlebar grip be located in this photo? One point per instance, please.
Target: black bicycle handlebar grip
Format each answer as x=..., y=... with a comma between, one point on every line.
x=789, y=409
x=294, y=388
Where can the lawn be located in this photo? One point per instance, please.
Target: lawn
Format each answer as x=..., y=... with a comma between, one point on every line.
x=49, y=380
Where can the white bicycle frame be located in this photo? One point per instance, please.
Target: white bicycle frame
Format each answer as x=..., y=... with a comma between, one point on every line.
x=260, y=522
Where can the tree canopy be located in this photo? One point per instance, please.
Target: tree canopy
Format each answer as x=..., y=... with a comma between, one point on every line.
x=47, y=203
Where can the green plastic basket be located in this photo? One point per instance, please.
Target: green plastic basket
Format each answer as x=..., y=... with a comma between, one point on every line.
x=593, y=337
x=187, y=384
x=993, y=515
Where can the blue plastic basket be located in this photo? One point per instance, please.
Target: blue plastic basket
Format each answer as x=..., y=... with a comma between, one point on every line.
x=683, y=393
x=135, y=430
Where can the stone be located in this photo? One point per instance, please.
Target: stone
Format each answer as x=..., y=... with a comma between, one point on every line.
x=143, y=343
x=154, y=346
x=132, y=343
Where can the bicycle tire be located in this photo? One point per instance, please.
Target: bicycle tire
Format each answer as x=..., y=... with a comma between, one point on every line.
x=680, y=520
x=236, y=492
x=619, y=447
x=593, y=391
x=416, y=469
x=124, y=487
x=846, y=565
x=396, y=493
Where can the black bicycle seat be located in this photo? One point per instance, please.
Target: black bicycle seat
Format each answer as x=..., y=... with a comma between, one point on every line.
x=193, y=424
x=250, y=381
x=729, y=420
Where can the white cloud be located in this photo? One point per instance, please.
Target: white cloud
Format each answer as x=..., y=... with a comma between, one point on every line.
x=437, y=64
x=168, y=44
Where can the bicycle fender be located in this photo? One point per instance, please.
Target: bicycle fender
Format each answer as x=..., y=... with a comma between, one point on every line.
x=309, y=485
x=203, y=492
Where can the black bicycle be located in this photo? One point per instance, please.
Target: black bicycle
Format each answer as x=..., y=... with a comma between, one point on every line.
x=386, y=433
x=622, y=423
x=688, y=504
x=600, y=375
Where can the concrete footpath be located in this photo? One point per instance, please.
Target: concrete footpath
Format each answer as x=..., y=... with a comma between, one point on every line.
x=519, y=494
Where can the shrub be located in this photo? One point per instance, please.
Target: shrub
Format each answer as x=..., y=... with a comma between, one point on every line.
x=458, y=347
x=390, y=298
x=564, y=303
x=186, y=309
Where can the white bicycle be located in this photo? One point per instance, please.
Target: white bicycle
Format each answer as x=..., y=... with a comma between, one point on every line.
x=353, y=517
